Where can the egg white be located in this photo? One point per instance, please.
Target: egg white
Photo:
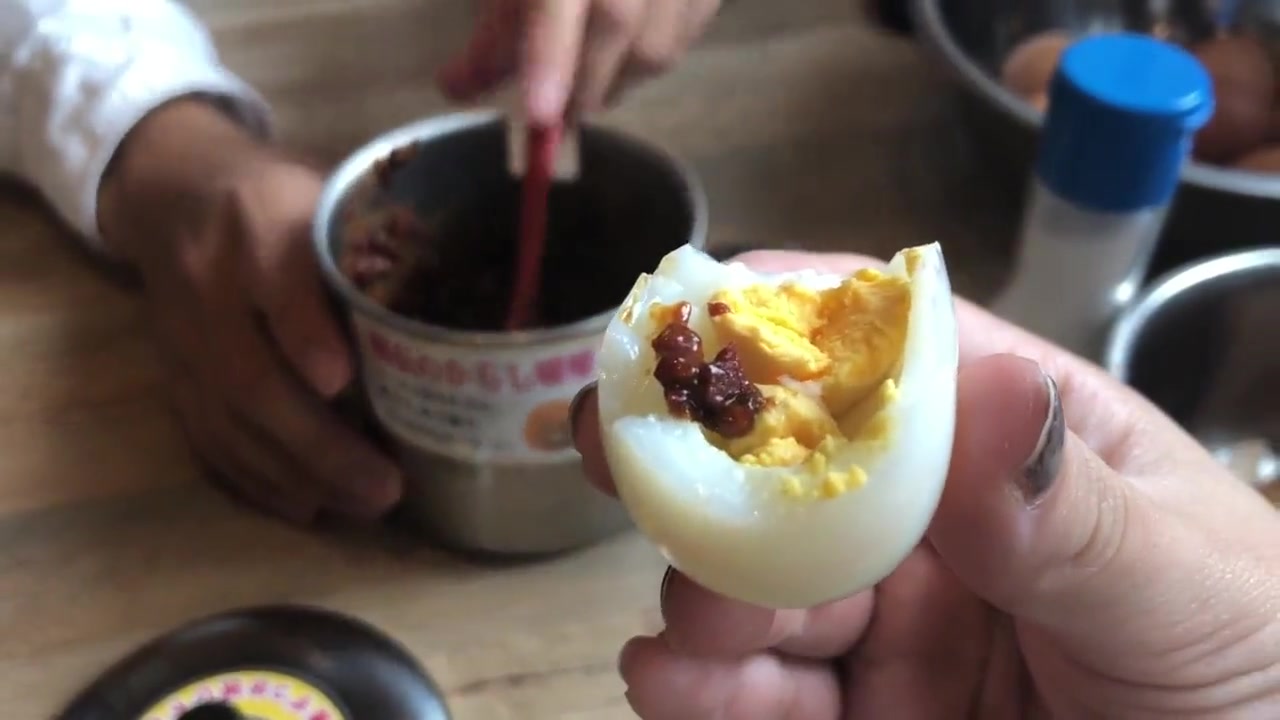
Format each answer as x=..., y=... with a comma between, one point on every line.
x=729, y=526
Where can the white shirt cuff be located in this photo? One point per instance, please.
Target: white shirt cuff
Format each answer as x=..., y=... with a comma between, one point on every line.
x=81, y=144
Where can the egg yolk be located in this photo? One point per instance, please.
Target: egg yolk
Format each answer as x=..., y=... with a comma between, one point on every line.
x=826, y=361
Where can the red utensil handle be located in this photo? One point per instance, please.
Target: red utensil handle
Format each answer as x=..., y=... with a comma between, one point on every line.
x=540, y=148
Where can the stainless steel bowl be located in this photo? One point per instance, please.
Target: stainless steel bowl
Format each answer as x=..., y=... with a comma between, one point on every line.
x=479, y=419
x=1216, y=209
x=1201, y=344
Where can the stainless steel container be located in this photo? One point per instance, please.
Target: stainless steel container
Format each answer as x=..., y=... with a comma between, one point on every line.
x=1216, y=209
x=1202, y=344
x=479, y=420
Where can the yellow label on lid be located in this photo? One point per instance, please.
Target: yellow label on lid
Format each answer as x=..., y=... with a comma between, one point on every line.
x=256, y=694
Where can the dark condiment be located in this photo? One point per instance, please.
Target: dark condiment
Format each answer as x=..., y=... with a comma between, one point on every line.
x=387, y=167
x=456, y=268
x=716, y=394
x=716, y=309
x=450, y=262
x=380, y=248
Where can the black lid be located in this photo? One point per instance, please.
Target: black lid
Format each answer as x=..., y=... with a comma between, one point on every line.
x=323, y=665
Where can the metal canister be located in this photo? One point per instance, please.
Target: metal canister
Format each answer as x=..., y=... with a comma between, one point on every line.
x=479, y=419
x=1200, y=343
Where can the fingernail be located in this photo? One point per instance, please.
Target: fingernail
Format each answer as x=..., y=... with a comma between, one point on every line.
x=330, y=372
x=666, y=581
x=578, y=402
x=1045, y=462
x=546, y=101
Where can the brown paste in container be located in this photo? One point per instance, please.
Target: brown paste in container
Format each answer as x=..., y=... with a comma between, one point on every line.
x=451, y=268
x=439, y=246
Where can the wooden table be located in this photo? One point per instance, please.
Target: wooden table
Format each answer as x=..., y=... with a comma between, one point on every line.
x=808, y=128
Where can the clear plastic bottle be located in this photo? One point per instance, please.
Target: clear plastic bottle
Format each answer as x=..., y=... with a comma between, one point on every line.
x=1123, y=109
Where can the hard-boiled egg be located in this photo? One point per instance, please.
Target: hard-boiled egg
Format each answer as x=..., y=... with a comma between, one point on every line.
x=833, y=483
x=1265, y=159
x=1029, y=68
x=1243, y=86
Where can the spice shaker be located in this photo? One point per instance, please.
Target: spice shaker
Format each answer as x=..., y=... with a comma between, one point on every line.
x=1123, y=110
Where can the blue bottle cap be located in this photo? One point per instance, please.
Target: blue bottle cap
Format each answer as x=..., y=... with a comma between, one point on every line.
x=1123, y=110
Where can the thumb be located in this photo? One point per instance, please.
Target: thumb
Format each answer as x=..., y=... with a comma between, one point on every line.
x=1031, y=519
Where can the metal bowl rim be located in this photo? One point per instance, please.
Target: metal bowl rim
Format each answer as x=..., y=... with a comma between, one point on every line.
x=928, y=16
x=348, y=174
x=1133, y=320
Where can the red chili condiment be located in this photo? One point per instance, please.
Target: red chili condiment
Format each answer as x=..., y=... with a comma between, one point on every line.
x=385, y=168
x=376, y=246
x=716, y=394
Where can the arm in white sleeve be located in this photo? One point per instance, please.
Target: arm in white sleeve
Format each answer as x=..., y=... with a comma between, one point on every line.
x=77, y=75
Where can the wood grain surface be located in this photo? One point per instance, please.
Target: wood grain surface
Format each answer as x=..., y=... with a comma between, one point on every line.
x=808, y=128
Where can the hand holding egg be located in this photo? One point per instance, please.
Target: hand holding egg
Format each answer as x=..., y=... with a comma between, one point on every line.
x=1036, y=592
x=795, y=450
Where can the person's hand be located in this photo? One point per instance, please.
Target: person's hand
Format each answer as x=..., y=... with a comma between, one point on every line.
x=574, y=56
x=217, y=225
x=1088, y=559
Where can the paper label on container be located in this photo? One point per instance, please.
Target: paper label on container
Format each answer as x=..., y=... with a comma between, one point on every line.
x=476, y=403
x=256, y=694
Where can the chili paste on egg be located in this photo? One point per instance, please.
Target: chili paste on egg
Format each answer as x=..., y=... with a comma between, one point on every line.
x=715, y=393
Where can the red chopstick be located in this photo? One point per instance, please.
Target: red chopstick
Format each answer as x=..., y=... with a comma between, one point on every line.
x=540, y=150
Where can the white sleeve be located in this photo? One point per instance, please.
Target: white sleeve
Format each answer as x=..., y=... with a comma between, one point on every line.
x=77, y=75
